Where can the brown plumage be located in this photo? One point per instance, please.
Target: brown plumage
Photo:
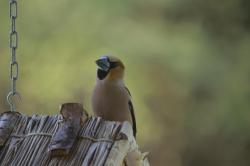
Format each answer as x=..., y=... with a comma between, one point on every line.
x=111, y=99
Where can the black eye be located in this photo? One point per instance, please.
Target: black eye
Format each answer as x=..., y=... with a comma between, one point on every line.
x=113, y=64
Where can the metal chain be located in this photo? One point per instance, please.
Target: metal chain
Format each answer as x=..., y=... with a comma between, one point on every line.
x=13, y=44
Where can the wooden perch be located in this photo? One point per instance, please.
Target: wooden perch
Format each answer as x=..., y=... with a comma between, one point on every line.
x=76, y=138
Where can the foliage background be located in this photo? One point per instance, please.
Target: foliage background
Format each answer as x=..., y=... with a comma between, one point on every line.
x=187, y=68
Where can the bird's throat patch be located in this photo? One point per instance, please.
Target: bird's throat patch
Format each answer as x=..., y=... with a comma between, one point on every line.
x=101, y=74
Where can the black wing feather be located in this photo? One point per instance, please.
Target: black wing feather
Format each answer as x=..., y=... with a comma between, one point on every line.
x=131, y=109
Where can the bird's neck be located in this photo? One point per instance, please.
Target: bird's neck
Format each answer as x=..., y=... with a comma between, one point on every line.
x=112, y=82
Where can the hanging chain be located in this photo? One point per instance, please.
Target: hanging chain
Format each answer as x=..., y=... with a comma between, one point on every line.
x=13, y=44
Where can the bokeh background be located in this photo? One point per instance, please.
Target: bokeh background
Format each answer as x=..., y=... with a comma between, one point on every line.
x=188, y=68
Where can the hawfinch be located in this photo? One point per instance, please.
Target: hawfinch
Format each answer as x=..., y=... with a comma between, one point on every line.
x=111, y=99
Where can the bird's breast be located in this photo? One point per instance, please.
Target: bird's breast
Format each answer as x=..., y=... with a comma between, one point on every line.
x=110, y=102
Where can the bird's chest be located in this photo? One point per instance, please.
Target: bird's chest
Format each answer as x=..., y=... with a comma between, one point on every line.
x=109, y=98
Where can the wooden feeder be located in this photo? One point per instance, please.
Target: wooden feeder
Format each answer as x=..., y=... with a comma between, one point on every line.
x=71, y=138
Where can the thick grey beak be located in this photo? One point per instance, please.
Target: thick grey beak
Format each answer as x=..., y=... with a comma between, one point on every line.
x=103, y=63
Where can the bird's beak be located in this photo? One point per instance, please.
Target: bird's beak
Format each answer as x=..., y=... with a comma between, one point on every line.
x=103, y=63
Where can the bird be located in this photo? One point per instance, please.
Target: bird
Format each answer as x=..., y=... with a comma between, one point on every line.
x=111, y=99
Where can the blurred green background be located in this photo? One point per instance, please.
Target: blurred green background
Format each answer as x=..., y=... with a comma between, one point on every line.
x=188, y=69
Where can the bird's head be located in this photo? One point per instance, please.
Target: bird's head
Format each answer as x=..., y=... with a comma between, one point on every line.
x=110, y=67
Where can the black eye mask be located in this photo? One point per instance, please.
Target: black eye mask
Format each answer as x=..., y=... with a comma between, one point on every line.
x=113, y=65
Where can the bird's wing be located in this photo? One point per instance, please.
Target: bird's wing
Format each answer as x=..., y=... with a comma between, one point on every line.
x=131, y=109
x=127, y=91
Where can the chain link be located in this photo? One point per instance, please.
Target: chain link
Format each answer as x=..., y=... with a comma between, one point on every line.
x=13, y=44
